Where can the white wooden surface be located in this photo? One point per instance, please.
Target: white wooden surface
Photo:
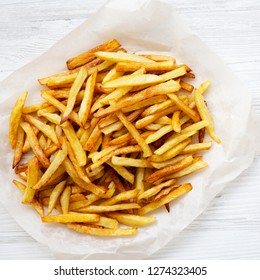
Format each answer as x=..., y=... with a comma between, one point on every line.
x=230, y=228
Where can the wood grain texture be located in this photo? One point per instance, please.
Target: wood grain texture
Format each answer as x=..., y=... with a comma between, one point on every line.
x=230, y=227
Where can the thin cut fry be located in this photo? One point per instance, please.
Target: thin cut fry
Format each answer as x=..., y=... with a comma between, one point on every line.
x=32, y=179
x=18, y=151
x=102, y=231
x=171, y=196
x=71, y=218
x=15, y=118
x=57, y=161
x=34, y=143
x=87, y=99
x=82, y=75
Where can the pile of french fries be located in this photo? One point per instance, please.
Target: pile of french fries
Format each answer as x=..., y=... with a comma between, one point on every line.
x=110, y=141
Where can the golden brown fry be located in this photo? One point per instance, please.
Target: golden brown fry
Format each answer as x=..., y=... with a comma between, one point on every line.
x=55, y=164
x=121, y=56
x=171, y=196
x=61, y=107
x=197, y=147
x=173, y=150
x=123, y=196
x=88, y=56
x=74, y=176
x=132, y=220
x=129, y=80
x=34, y=143
x=32, y=179
x=176, y=125
x=65, y=200
x=205, y=115
x=136, y=135
x=106, y=222
x=15, y=118
x=149, y=66
x=183, y=107
x=169, y=169
x=163, y=88
x=124, y=161
x=18, y=151
x=71, y=218
x=70, y=133
x=86, y=103
x=109, y=208
x=44, y=128
x=55, y=195
x=74, y=90
x=102, y=231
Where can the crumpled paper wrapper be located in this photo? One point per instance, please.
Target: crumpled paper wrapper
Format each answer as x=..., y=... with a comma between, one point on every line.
x=140, y=25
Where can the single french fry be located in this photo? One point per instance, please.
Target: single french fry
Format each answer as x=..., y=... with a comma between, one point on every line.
x=205, y=115
x=176, y=125
x=136, y=135
x=55, y=195
x=18, y=151
x=174, y=74
x=109, y=208
x=15, y=118
x=34, y=108
x=194, y=167
x=106, y=222
x=34, y=143
x=183, y=107
x=123, y=196
x=124, y=161
x=129, y=80
x=55, y=164
x=78, y=150
x=187, y=161
x=173, y=141
x=157, y=107
x=111, y=75
x=197, y=147
x=156, y=189
x=132, y=220
x=54, y=118
x=102, y=231
x=145, y=103
x=186, y=86
x=130, y=66
x=78, y=168
x=88, y=56
x=162, y=164
x=87, y=99
x=32, y=179
x=123, y=172
x=71, y=218
x=170, y=197
x=158, y=134
x=93, y=138
x=172, y=152
x=120, y=56
x=82, y=75
x=65, y=200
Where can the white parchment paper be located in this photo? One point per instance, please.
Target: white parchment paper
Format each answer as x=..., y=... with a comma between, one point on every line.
x=140, y=25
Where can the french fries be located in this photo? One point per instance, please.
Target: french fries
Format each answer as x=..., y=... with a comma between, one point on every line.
x=111, y=139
